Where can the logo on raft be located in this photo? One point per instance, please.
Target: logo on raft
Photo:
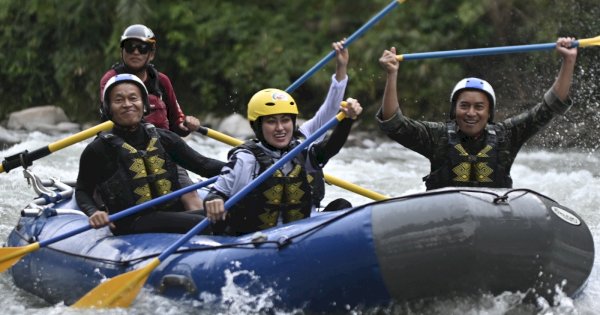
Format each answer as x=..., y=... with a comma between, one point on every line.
x=566, y=216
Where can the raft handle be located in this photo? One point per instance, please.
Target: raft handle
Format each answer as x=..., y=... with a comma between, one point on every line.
x=172, y=280
x=501, y=199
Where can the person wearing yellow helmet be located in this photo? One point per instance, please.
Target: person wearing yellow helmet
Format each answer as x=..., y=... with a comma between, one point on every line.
x=471, y=149
x=287, y=195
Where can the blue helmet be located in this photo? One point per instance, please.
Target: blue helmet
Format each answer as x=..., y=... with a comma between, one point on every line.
x=116, y=80
x=475, y=84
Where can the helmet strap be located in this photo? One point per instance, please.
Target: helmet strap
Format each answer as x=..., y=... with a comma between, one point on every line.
x=257, y=128
x=140, y=72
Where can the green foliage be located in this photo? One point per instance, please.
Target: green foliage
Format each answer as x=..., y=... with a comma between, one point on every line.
x=220, y=52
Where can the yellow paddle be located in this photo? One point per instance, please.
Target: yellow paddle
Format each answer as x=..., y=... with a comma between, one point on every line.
x=25, y=158
x=11, y=255
x=586, y=42
x=120, y=291
x=357, y=34
x=329, y=178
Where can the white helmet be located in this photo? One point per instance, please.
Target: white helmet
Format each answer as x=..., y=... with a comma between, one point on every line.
x=105, y=113
x=473, y=84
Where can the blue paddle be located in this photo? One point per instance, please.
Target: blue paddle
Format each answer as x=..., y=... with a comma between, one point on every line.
x=595, y=41
x=120, y=291
x=10, y=255
x=349, y=41
x=329, y=178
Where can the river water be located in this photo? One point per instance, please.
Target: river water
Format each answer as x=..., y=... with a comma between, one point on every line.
x=571, y=177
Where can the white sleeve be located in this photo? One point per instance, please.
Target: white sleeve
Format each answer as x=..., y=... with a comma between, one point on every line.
x=231, y=181
x=328, y=109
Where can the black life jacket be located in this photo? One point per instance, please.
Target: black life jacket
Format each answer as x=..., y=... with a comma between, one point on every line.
x=316, y=179
x=454, y=166
x=288, y=196
x=141, y=175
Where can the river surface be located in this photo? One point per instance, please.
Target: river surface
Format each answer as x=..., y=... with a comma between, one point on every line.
x=571, y=177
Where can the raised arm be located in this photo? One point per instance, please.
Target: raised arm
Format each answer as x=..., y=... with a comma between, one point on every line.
x=329, y=147
x=335, y=95
x=390, y=103
x=565, y=75
x=341, y=60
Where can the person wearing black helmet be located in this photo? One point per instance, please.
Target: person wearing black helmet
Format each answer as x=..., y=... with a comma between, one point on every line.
x=138, y=49
x=471, y=149
x=134, y=163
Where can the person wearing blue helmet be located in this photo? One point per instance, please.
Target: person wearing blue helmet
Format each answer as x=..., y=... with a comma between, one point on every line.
x=472, y=149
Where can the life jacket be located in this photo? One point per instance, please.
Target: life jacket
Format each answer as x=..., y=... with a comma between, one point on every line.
x=316, y=179
x=454, y=166
x=141, y=175
x=288, y=196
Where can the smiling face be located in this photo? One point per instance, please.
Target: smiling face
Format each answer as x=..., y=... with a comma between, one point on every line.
x=277, y=130
x=126, y=105
x=472, y=112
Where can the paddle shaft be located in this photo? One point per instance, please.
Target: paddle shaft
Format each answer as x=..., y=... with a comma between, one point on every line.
x=121, y=290
x=349, y=41
x=336, y=181
x=133, y=210
x=253, y=184
x=480, y=51
x=328, y=178
x=25, y=158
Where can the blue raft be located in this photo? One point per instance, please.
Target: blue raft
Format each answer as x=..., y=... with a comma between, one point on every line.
x=442, y=243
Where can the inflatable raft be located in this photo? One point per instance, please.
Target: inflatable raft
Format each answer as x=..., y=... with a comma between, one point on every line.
x=442, y=243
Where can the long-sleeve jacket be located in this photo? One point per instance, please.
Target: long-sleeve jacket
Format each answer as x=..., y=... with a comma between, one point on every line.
x=99, y=161
x=243, y=167
x=430, y=139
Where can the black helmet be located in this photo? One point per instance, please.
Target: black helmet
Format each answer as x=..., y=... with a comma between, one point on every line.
x=139, y=32
x=105, y=113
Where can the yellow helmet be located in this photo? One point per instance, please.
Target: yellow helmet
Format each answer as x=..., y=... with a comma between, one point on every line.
x=271, y=102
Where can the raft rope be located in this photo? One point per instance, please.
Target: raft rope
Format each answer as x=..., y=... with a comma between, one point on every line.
x=283, y=242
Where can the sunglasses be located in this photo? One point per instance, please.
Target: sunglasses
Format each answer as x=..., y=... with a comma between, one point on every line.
x=131, y=46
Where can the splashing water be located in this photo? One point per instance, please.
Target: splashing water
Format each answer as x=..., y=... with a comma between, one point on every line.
x=571, y=177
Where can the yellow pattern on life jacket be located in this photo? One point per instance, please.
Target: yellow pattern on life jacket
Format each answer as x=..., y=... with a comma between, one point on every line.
x=290, y=194
x=482, y=171
x=269, y=219
x=274, y=196
x=294, y=196
x=144, y=166
x=275, y=193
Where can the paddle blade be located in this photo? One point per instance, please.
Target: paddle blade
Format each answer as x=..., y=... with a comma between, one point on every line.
x=11, y=255
x=595, y=41
x=119, y=291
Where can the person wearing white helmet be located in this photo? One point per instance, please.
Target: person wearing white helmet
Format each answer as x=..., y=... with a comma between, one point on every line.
x=134, y=163
x=138, y=49
x=287, y=195
x=472, y=149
